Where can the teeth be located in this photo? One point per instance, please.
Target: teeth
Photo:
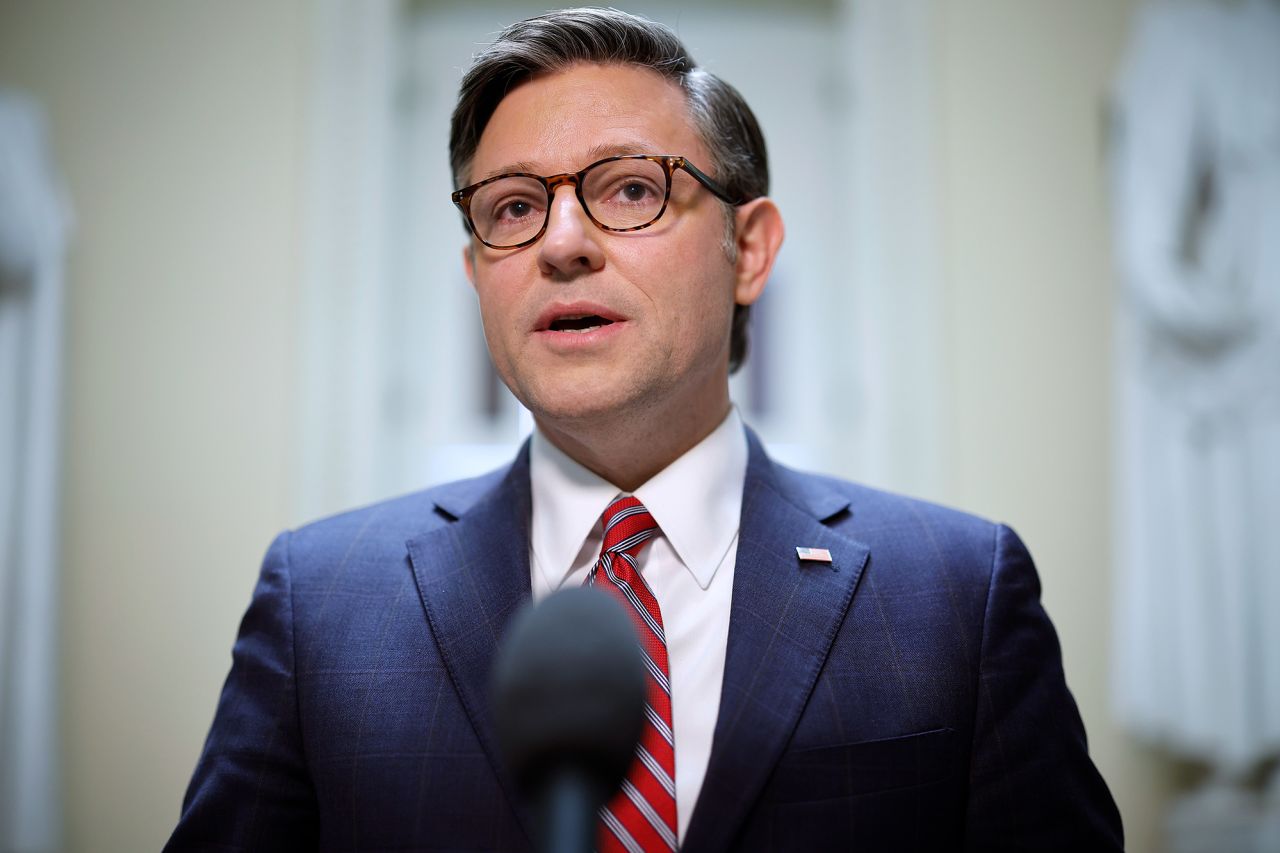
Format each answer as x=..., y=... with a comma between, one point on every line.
x=578, y=323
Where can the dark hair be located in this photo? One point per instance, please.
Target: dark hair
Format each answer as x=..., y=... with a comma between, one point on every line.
x=557, y=40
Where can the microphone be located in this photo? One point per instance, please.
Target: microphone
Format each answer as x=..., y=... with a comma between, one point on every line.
x=568, y=699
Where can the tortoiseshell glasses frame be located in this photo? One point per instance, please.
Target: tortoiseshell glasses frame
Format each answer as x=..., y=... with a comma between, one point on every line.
x=550, y=183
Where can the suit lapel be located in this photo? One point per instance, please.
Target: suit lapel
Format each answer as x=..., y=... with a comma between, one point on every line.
x=784, y=617
x=473, y=575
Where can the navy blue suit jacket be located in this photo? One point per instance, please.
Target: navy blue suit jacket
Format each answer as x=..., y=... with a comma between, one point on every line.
x=909, y=696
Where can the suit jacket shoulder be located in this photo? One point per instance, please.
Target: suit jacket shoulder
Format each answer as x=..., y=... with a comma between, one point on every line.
x=932, y=713
x=353, y=716
x=371, y=532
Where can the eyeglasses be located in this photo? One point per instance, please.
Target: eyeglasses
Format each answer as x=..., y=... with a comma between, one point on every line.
x=623, y=193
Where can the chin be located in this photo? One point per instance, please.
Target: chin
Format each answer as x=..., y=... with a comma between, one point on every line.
x=576, y=403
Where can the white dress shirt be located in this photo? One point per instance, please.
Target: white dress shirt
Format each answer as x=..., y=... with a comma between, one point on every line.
x=697, y=503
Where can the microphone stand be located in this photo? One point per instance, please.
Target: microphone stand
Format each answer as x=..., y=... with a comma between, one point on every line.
x=568, y=812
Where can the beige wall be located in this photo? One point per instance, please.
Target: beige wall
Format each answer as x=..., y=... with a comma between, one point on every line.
x=1022, y=91
x=179, y=127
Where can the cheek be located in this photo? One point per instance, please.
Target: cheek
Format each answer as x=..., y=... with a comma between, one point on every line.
x=499, y=295
x=497, y=318
x=696, y=320
x=702, y=294
x=685, y=279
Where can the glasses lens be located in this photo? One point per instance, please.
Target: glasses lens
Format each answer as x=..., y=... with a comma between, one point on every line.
x=509, y=211
x=625, y=193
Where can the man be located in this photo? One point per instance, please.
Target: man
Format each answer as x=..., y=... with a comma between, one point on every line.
x=829, y=666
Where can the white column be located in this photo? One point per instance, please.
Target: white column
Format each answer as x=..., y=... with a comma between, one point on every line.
x=33, y=223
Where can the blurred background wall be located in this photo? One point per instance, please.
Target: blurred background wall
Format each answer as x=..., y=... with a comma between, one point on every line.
x=182, y=130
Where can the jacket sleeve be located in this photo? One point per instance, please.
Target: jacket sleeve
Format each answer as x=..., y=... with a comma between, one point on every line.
x=1032, y=785
x=251, y=789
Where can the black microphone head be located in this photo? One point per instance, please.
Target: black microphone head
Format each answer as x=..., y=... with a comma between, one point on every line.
x=569, y=692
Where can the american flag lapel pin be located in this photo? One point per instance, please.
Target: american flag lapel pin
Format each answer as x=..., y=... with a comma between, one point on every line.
x=813, y=555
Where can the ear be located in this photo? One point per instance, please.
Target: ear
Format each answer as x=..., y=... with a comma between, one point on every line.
x=469, y=262
x=759, y=236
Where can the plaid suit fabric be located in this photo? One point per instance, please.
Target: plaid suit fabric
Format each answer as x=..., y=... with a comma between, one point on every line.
x=908, y=697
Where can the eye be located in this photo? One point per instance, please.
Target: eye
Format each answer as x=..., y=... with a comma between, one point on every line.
x=516, y=209
x=636, y=191
x=513, y=208
x=508, y=203
x=632, y=189
x=627, y=191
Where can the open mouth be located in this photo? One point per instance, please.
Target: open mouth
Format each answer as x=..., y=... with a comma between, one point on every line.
x=583, y=323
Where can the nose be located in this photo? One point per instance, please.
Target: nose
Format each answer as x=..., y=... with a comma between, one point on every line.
x=571, y=245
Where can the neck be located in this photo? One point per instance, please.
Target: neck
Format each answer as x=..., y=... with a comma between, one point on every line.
x=628, y=450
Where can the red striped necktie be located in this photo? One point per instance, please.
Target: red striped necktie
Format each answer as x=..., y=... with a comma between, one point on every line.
x=642, y=815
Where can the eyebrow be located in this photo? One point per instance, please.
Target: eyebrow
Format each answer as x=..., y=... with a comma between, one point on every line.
x=594, y=153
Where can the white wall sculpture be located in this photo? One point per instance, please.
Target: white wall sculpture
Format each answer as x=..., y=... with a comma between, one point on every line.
x=1197, y=189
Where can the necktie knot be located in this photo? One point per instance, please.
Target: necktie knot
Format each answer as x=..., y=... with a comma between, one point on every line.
x=627, y=526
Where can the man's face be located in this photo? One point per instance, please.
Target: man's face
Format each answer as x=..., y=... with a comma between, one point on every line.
x=668, y=290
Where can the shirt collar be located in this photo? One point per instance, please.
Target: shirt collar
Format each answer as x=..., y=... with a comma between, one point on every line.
x=696, y=500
